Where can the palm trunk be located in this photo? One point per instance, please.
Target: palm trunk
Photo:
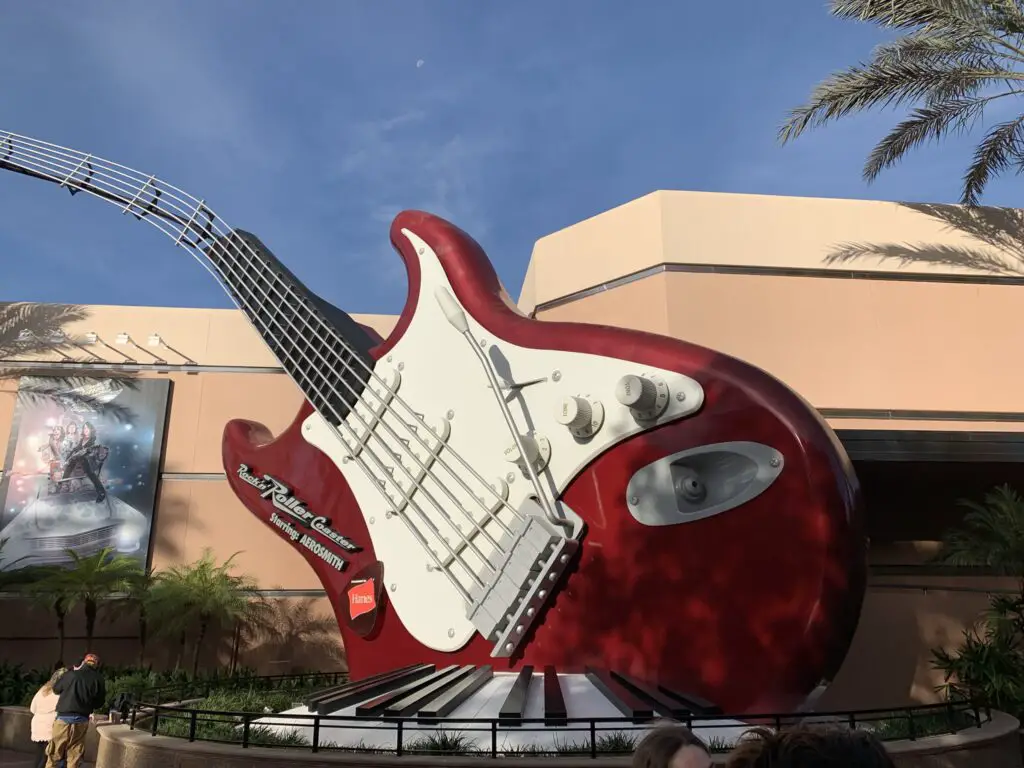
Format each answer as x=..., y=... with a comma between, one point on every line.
x=181, y=651
x=90, y=622
x=60, y=611
x=143, y=630
x=236, y=641
x=200, y=635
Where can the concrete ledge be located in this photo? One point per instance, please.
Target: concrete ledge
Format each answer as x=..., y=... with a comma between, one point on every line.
x=16, y=733
x=995, y=745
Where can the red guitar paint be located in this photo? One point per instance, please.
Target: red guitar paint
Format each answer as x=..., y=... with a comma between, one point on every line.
x=750, y=609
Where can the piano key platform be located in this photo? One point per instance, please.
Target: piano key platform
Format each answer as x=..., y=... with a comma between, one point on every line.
x=534, y=709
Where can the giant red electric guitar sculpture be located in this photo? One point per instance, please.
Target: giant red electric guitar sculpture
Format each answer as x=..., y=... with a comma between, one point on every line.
x=484, y=487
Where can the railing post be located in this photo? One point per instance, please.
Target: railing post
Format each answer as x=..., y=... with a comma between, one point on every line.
x=950, y=717
x=853, y=721
x=593, y=740
x=156, y=720
x=316, y=733
x=977, y=713
x=245, y=730
x=131, y=720
x=494, y=738
x=911, y=727
x=398, y=743
x=192, y=725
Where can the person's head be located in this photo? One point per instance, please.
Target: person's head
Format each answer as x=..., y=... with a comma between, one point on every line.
x=48, y=685
x=809, y=747
x=91, y=660
x=71, y=429
x=671, y=746
x=59, y=666
x=88, y=430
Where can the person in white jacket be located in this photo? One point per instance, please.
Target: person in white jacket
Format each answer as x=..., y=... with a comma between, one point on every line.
x=44, y=712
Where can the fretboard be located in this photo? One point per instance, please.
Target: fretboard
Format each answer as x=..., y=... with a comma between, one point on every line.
x=327, y=356
x=323, y=350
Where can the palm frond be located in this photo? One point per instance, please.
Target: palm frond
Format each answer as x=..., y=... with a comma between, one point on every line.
x=78, y=393
x=929, y=123
x=1002, y=148
x=932, y=15
x=955, y=57
x=888, y=84
x=991, y=534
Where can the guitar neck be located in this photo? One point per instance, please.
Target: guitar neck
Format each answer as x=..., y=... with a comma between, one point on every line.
x=324, y=351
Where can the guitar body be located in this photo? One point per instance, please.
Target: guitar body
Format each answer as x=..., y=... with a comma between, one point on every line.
x=751, y=608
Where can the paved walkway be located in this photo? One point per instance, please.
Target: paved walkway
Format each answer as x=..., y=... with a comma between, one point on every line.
x=10, y=759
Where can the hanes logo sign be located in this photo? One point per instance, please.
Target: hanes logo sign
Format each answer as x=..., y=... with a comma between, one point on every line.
x=365, y=593
x=361, y=599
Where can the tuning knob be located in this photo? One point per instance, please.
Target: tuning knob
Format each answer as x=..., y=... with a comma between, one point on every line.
x=645, y=396
x=582, y=417
x=538, y=452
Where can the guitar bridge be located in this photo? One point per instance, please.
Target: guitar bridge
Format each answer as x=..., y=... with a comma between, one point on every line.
x=533, y=557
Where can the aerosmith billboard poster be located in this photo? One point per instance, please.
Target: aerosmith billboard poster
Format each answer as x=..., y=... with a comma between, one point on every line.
x=82, y=467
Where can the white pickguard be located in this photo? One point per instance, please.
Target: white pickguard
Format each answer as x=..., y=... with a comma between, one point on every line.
x=441, y=378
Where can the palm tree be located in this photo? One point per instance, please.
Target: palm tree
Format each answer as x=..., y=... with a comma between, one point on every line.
x=208, y=596
x=89, y=580
x=47, y=586
x=137, y=600
x=990, y=536
x=953, y=60
x=989, y=663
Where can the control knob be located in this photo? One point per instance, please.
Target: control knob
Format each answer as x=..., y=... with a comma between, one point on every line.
x=645, y=396
x=538, y=452
x=581, y=416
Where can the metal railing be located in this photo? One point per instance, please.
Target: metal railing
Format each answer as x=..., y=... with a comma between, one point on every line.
x=447, y=736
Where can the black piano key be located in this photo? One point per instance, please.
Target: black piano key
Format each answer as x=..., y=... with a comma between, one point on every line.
x=514, y=707
x=622, y=698
x=325, y=693
x=408, y=705
x=376, y=688
x=554, y=702
x=458, y=694
x=695, y=704
x=378, y=705
x=663, y=705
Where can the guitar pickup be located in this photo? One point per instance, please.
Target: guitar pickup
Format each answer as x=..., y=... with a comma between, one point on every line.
x=532, y=558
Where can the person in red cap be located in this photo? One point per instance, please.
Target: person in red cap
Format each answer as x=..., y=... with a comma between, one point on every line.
x=81, y=692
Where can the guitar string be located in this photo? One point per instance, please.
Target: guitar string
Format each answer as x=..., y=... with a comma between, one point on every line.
x=409, y=501
x=186, y=221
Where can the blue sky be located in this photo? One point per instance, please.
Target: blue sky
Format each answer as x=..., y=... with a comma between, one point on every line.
x=313, y=123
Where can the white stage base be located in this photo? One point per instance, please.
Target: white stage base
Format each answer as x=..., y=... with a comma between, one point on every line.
x=582, y=700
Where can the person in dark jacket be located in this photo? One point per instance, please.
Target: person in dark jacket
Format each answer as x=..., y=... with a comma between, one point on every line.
x=81, y=692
